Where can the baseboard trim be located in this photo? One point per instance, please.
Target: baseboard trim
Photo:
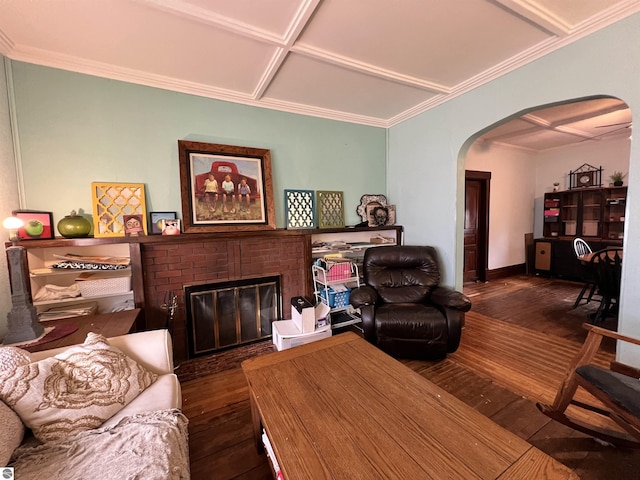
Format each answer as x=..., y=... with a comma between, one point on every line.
x=504, y=272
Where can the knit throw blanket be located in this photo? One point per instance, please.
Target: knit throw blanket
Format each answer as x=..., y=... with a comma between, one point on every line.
x=152, y=445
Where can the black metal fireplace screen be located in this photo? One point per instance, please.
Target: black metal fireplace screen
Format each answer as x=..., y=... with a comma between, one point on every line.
x=229, y=314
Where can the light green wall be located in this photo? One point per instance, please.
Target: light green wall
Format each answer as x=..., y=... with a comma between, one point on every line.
x=75, y=129
x=426, y=153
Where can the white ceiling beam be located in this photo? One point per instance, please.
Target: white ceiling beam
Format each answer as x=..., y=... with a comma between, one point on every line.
x=297, y=25
x=368, y=69
x=194, y=13
x=538, y=15
x=532, y=118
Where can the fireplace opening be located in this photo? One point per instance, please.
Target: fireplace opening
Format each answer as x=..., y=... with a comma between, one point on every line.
x=229, y=314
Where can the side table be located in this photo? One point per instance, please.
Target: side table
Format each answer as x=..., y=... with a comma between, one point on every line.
x=107, y=324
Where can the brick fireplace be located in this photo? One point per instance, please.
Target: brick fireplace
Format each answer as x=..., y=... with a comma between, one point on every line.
x=225, y=315
x=187, y=260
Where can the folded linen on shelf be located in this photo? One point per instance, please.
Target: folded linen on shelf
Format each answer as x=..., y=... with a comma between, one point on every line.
x=56, y=292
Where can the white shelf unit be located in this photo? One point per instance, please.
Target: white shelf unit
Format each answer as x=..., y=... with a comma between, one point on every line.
x=325, y=279
x=351, y=243
x=41, y=273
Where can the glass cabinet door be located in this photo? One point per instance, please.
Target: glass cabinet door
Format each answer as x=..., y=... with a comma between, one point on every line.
x=570, y=213
x=591, y=208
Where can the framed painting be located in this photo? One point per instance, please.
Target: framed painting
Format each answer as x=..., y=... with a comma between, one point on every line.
x=38, y=225
x=380, y=216
x=225, y=188
x=155, y=221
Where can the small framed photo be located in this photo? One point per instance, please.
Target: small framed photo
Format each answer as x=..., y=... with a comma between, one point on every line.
x=38, y=225
x=155, y=221
x=170, y=226
x=380, y=216
x=133, y=225
x=367, y=204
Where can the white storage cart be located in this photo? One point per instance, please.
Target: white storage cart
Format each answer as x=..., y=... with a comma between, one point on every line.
x=333, y=280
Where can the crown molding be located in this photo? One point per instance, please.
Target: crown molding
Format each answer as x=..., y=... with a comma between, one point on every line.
x=103, y=70
x=6, y=45
x=286, y=45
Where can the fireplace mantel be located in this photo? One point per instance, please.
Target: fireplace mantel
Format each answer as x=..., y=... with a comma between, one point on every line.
x=160, y=264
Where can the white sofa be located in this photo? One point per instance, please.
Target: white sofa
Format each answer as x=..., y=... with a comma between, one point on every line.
x=152, y=350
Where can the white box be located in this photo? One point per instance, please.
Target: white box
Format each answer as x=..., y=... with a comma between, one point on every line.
x=302, y=313
x=286, y=335
x=306, y=317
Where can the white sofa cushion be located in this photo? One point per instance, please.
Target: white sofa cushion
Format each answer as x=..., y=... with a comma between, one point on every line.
x=78, y=389
x=152, y=349
x=11, y=433
x=11, y=426
x=164, y=394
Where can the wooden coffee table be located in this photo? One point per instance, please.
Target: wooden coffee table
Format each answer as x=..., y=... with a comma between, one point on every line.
x=341, y=408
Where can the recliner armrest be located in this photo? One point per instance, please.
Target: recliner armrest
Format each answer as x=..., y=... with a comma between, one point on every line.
x=362, y=296
x=450, y=298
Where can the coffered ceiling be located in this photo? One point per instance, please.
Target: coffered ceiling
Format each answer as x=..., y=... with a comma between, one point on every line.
x=594, y=120
x=373, y=62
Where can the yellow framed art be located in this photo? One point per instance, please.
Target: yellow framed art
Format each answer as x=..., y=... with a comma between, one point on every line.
x=114, y=204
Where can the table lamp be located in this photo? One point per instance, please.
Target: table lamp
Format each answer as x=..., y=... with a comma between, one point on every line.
x=22, y=320
x=12, y=225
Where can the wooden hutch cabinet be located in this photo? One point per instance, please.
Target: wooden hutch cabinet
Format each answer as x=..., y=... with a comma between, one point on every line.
x=594, y=214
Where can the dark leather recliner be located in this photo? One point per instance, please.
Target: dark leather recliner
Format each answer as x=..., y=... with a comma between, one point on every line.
x=405, y=312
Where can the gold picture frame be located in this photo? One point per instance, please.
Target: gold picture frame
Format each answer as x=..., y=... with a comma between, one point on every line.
x=330, y=206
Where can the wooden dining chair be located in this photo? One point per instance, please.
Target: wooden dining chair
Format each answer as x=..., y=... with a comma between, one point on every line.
x=607, y=266
x=618, y=394
x=580, y=248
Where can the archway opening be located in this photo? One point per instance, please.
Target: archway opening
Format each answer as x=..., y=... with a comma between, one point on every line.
x=529, y=155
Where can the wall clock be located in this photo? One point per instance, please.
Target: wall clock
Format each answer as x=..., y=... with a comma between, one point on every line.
x=585, y=176
x=585, y=179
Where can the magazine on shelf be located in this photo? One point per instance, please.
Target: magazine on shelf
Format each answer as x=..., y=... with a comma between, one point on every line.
x=98, y=259
x=66, y=311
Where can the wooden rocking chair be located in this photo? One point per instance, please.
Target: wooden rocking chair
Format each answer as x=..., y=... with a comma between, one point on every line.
x=619, y=393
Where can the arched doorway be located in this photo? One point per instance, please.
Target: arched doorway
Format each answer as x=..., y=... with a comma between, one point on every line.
x=527, y=153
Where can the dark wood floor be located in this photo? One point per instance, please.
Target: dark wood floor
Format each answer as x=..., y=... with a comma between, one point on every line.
x=217, y=405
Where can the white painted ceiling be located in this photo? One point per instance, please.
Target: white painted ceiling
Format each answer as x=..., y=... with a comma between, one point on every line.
x=373, y=62
x=558, y=126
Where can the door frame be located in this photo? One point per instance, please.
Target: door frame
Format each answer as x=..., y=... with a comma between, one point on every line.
x=483, y=219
